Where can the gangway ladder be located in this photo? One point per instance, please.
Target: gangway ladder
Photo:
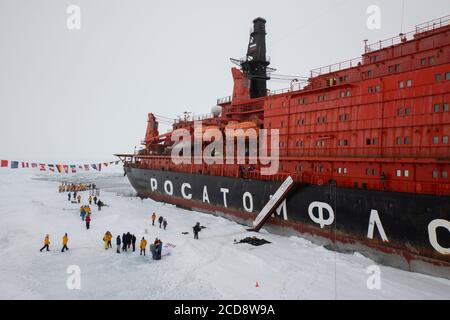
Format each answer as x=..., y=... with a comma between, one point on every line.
x=274, y=202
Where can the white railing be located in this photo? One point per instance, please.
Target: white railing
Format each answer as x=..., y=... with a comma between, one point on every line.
x=336, y=67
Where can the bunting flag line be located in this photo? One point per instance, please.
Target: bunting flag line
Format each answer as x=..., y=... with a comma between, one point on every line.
x=60, y=168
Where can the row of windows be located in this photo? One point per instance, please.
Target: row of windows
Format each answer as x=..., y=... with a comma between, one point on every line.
x=438, y=174
x=401, y=84
x=402, y=140
x=371, y=89
x=403, y=112
x=444, y=139
x=423, y=61
x=373, y=141
x=438, y=76
x=437, y=107
x=393, y=68
x=373, y=172
x=344, y=117
x=346, y=94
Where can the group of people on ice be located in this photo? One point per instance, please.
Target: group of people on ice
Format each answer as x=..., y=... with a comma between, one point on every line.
x=85, y=214
x=65, y=241
x=76, y=197
x=161, y=220
x=67, y=187
x=128, y=241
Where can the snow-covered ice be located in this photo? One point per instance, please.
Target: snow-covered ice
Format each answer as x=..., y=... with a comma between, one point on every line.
x=212, y=267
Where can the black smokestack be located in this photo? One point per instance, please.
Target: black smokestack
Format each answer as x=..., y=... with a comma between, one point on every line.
x=255, y=64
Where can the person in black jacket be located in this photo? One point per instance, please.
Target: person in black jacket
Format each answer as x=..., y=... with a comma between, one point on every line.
x=118, y=242
x=160, y=220
x=196, y=229
x=133, y=242
x=124, y=242
x=129, y=238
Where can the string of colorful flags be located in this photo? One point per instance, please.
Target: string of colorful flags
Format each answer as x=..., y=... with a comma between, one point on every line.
x=60, y=168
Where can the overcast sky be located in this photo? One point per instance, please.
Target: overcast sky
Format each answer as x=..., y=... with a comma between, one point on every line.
x=85, y=94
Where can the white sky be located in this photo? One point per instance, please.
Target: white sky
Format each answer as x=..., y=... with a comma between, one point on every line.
x=85, y=94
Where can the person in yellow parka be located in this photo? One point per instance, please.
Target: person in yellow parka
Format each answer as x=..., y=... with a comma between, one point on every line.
x=46, y=243
x=143, y=245
x=153, y=218
x=107, y=240
x=65, y=240
x=90, y=200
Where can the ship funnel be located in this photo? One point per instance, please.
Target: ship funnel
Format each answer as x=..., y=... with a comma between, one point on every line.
x=254, y=65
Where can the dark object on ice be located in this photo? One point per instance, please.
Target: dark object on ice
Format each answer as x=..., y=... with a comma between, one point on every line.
x=185, y=233
x=203, y=227
x=254, y=241
x=95, y=199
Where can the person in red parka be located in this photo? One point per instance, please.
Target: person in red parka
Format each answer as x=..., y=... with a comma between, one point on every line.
x=88, y=221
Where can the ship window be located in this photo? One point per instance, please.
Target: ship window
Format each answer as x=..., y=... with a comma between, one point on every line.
x=339, y=170
x=368, y=142
x=399, y=112
x=397, y=67
x=435, y=174
x=447, y=76
x=408, y=83
x=423, y=61
x=399, y=173
x=406, y=140
x=348, y=93
x=375, y=141
x=431, y=60
x=444, y=174
x=270, y=106
x=346, y=117
x=446, y=108
x=437, y=77
x=370, y=89
x=282, y=124
x=401, y=84
x=342, y=94
x=407, y=111
x=368, y=172
x=406, y=173
x=435, y=140
x=445, y=139
x=343, y=142
x=437, y=107
x=369, y=73
x=270, y=125
x=341, y=117
x=398, y=140
x=345, y=171
x=374, y=172
x=377, y=88
x=391, y=69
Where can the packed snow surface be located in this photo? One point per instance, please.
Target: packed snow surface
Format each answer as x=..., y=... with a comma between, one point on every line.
x=212, y=267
